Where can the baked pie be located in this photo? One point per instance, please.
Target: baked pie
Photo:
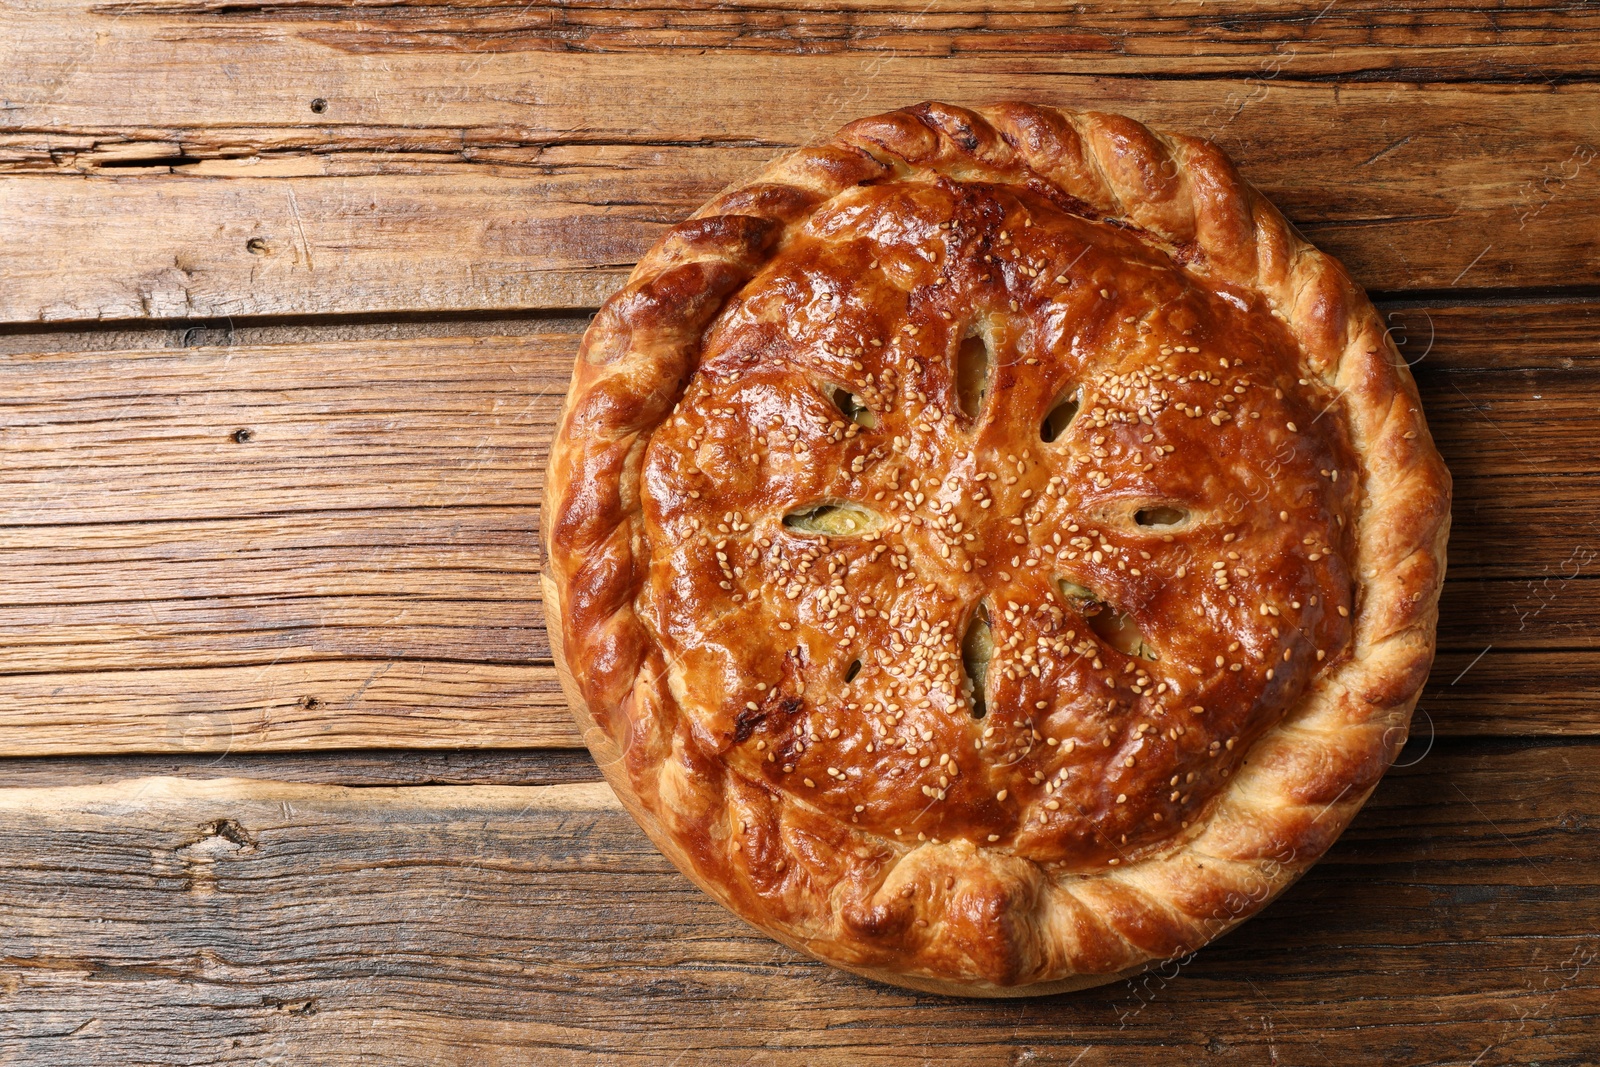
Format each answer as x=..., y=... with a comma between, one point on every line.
x=991, y=551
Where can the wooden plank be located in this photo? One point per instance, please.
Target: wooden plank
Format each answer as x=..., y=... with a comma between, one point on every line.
x=347, y=767
x=283, y=707
x=142, y=436
x=64, y=339
x=196, y=247
x=1509, y=693
x=1441, y=335
x=444, y=583
x=1557, y=612
x=450, y=181
x=1362, y=38
x=1537, y=528
x=205, y=922
x=1490, y=424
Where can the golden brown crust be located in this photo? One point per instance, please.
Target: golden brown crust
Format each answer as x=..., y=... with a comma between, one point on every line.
x=1212, y=593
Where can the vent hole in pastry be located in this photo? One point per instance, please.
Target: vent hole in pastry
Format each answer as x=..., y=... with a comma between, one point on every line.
x=1121, y=633
x=1113, y=627
x=834, y=518
x=1058, y=419
x=973, y=367
x=977, y=649
x=851, y=671
x=852, y=407
x=1079, y=596
x=1160, y=516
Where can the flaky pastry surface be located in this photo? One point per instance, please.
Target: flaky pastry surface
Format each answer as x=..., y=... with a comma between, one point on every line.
x=991, y=551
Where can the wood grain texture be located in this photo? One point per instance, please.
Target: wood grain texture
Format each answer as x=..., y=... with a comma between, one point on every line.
x=406, y=584
x=322, y=546
x=346, y=767
x=256, y=921
x=346, y=594
x=1361, y=38
x=182, y=172
x=1445, y=335
x=280, y=429
x=283, y=707
x=1509, y=692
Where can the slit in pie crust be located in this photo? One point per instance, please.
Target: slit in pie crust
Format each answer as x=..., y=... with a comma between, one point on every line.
x=991, y=551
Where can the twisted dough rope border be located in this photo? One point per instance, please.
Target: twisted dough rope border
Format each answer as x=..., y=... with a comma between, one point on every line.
x=1301, y=783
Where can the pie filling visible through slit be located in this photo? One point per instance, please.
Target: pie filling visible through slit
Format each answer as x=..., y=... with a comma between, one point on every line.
x=932, y=612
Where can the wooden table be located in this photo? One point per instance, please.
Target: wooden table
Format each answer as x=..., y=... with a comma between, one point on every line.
x=289, y=295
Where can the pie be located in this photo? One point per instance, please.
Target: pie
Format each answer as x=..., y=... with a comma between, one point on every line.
x=991, y=551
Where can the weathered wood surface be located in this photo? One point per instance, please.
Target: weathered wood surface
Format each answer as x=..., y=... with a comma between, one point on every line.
x=332, y=545
x=163, y=921
x=177, y=161
x=284, y=707
x=345, y=767
x=300, y=546
x=1363, y=38
x=284, y=430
